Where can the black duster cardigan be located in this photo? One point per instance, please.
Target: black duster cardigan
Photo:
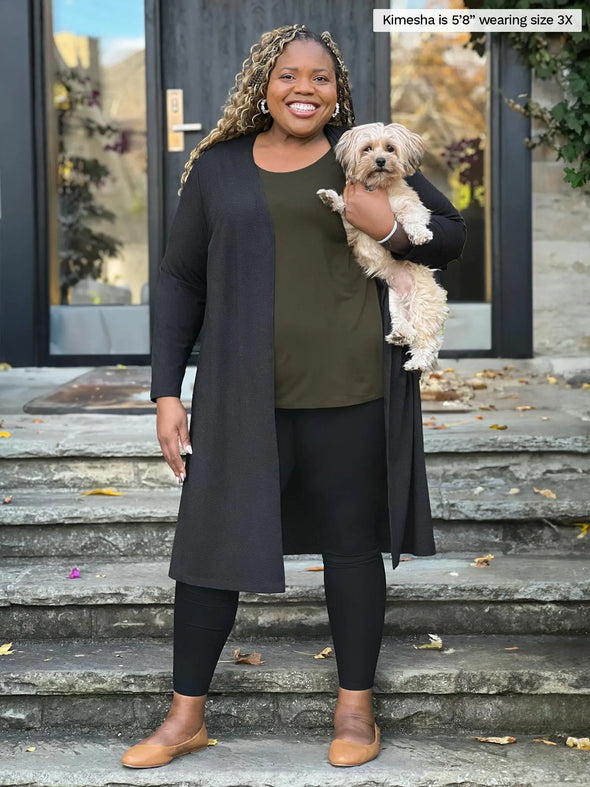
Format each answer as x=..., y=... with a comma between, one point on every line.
x=217, y=281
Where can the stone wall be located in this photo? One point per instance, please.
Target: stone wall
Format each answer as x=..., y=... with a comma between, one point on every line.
x=561, y=252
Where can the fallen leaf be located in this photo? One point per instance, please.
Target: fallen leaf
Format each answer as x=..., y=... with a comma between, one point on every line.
x=482, y=561
x=121, y=366
x=454, y=573
x=31, y=748
x=326, y=653
x=514, y=647
x=49, y=659
x=5, y=649
x=584, y=530
x=551, y=380
x=100, y=575
x=578, y=743
x=435, y=376
x=246, y=658
x=7, y=499
x=4, y=367
x=490, y=373
x=478, y=386
x=108, y=491
x=450, y=369
x=545, y=492
x=522, y=380
x=404, y=559
x=487, y=407
x=37, y=420
x=585, y=386
x=74, y=574
x=495, y=426
x=542, y=740
x=524, y=407
x=212, y=742
x=505, y=739
x=315, y=568
x=435, y=642
x=544, y=418
x=479, y=417
x=4, y=434
x=514, y=490
x=478, y=490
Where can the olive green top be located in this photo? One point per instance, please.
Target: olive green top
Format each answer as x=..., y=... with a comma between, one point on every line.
x=328, y=325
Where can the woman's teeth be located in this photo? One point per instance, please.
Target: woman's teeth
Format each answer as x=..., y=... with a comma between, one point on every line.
x=303, y=107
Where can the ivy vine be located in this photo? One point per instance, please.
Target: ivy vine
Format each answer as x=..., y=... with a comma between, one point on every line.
x=562, y=57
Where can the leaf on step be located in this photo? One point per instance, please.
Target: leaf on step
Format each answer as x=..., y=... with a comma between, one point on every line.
x=246, y=658
x=479, y=417
x=450, y=369
x=31, y=748
x=505, y=739
x=545, y=493
x=489, y=373
x=584, y=530
x=478, y=386
x=551, y=380
x=404, y=559
x=326, y=653
x=212, y=742
x=5, y=649
x=578, y=743
x=7, y=500
x=37, y=420
x=49, y=659
x=108, y=491
x=315, y=568
x=542, y=740
x=495, y=426
x=522, y=380
x=487, y=407
x=524, y=407
x=514, y=647
x=435, y=642
x=120, y=366
x=545, y=418
x=478, y=490
x=74, y=574
x=4, y=434
x=585, y=386
x=514, y=490
x=100, y=575
x=4, y=367
x=482, y=561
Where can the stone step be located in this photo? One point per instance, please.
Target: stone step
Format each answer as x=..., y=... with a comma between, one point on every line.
x=481, y=514
x=72, y=759
x=476, y=684
x=515, y=594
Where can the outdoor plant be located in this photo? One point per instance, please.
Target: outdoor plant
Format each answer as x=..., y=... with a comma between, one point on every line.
x=82, y=250
x=561, y=57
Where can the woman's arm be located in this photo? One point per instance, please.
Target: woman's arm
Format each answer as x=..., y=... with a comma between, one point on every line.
x=371, y=213
x=181, y=291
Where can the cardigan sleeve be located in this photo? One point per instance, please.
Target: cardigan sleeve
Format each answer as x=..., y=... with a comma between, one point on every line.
x=446, y=224
x=181, y=291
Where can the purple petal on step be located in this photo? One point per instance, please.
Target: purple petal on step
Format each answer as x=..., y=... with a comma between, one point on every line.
x=75, y=574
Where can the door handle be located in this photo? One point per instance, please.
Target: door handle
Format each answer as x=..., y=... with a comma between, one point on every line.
x=187, y=127
x=175, y=120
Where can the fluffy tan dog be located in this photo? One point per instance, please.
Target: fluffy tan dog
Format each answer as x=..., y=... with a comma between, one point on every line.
x=381, y=156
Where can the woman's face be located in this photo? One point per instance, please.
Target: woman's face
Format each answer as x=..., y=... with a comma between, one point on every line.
x=302, y=90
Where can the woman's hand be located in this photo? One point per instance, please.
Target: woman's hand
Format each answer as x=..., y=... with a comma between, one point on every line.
x=368, y=211
x=172, y=426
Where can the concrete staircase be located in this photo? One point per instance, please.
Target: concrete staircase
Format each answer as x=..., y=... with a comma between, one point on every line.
x=90, y=672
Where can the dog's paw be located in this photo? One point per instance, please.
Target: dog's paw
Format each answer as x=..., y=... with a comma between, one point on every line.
x=328, y=197
x=397, y=338
x=418, y=235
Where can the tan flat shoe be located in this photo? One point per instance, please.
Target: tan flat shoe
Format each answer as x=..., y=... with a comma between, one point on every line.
x=151, y=755
x=346, y=753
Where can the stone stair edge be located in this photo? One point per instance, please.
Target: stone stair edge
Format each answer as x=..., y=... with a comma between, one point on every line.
x=438, y=578
x=299, y=761
x=467, y=664
x=456, y=500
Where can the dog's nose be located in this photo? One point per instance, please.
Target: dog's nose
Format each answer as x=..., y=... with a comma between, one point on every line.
x=380, y=162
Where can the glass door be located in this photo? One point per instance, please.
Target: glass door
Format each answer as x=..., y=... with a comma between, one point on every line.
x=97, y=162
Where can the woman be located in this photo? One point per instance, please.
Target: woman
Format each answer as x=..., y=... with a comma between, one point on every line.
x=306, y=432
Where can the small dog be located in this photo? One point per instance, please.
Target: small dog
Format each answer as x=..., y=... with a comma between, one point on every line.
x=381, y=156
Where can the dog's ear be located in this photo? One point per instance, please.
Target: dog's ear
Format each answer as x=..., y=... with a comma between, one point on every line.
x=345, y=152
x=411, y=147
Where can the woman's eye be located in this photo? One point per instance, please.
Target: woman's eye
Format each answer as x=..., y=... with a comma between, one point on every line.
x=368, y=149
x=390, y=148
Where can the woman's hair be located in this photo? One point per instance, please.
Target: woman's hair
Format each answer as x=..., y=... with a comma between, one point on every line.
x=242, y=113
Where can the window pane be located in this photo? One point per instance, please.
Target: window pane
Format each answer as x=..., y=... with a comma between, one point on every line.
x=439, y=89
x=98, y=161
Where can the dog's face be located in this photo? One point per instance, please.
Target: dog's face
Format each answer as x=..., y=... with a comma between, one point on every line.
x=376, y=154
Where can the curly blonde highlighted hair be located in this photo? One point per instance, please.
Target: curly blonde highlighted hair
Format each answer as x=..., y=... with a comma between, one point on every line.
x=242, y=113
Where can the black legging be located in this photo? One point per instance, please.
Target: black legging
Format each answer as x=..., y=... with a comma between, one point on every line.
x=340, y=455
